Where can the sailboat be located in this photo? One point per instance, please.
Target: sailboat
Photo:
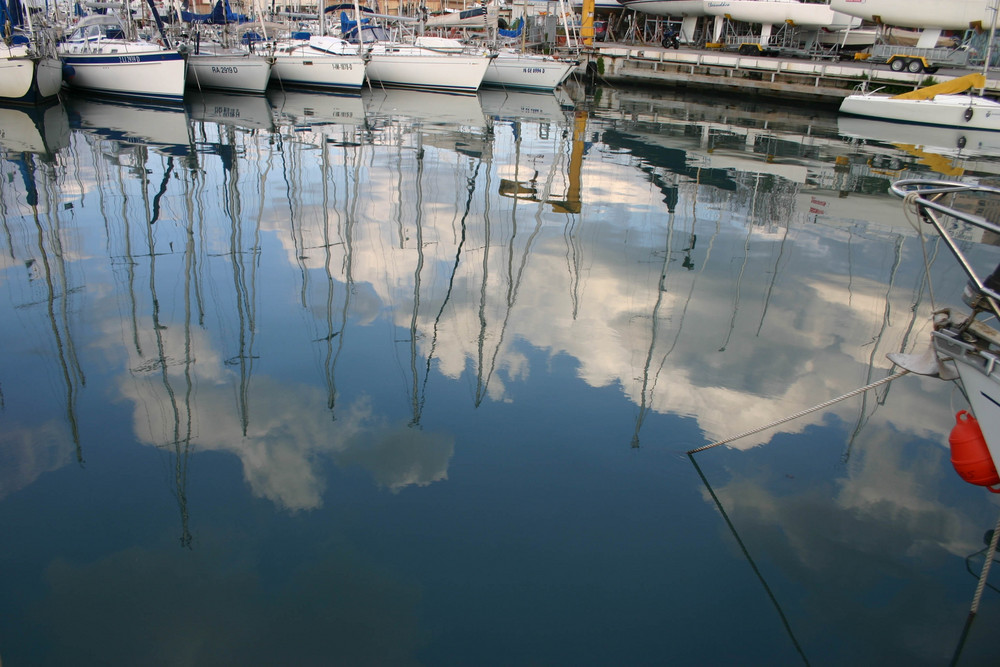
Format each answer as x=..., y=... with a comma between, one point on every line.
x=318, y=61
x=103, y=54
x=515, y=68
x=28, y=74
x=941, y=104
x=423, y=62
x=214, y=62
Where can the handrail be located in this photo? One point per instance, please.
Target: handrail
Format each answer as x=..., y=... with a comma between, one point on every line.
x=926, y=196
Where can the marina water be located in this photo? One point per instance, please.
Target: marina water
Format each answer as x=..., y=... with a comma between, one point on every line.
x=409, y=378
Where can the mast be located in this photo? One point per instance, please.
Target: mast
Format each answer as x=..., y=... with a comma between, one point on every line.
x=989, y=45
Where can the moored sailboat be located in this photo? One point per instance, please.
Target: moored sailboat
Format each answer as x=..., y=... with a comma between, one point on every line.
x=318, y=61
x=422, y=62
x=942, y=104
x=30, y=72
x=104, y=55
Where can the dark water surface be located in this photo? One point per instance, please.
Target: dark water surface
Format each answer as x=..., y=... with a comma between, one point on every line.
x=406, y=378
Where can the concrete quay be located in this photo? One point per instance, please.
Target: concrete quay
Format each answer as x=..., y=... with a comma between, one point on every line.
x=823, y=81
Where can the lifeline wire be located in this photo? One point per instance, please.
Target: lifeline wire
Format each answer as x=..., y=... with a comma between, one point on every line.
x=803, y=412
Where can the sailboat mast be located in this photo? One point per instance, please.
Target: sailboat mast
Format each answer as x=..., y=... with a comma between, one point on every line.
x=989, y=45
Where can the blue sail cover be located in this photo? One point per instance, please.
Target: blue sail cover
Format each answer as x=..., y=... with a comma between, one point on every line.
x=511, y=33
x=349, y=30
x=516, y=32
x=12, y=12
x=221, y=14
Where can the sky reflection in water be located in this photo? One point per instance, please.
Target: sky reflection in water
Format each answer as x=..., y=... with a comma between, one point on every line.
x=407, y=378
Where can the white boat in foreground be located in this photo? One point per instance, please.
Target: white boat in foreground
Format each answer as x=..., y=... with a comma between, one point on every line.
x=934, y=105
x=511, y=69
x=99, y=57
x=963, y=347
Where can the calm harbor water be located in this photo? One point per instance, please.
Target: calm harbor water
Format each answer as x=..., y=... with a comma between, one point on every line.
x=407, y=378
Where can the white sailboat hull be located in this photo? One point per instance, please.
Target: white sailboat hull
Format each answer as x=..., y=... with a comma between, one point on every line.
x=321, y=62
x=678, y=8
x=528, y=71
x=775, y=12
x=412, y=67
x=239, y=72
x=950, y=15
x=26, y=78
x=964, y=111
x=155, y=75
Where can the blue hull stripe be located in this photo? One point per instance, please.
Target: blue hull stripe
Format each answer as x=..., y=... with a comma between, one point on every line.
x=121, y=58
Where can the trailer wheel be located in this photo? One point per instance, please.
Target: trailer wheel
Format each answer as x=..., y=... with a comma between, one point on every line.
x=898, y=64
x=931, y=70
x=914, y=66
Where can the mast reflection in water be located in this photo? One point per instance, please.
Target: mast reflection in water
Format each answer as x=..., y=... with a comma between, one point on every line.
x=406, y=378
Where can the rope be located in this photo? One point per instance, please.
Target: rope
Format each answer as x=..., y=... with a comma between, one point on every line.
x=990, y=554
x=910, y=203
x=803, y=412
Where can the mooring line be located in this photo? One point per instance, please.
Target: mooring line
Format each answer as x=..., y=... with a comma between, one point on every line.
x=803, y=412
x=974, y=609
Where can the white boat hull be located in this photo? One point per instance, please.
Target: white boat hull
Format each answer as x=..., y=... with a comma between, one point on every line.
x=27, y=79
x=950, y=15
x=678, y=8
x=320, y=62
x=157, y=75
x=775, y=12
x=238, y=72
x=963, y=111
x=848, y=39
x=514, y=70
x=411, y=67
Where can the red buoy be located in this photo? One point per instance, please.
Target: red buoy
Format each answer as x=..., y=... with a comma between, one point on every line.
x=969, y=454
